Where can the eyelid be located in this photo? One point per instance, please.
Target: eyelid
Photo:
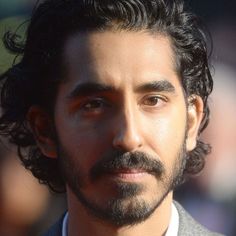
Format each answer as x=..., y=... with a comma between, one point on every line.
x=158, y=96
x=100, y=100
x=148, y=105
x=79, y=104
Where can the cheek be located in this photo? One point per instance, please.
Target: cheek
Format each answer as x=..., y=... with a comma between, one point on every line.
x=167, y=134
x=82, y=143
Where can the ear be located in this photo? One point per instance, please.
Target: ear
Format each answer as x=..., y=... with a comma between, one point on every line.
x=42, y=128
x=195, y=115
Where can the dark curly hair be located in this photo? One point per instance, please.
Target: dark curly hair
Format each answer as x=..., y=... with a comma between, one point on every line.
x=34, y=80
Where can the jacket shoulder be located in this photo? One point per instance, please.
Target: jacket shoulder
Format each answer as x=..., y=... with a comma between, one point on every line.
x=56, y=229
x=189, y=227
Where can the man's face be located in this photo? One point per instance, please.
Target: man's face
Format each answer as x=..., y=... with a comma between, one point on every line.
x=121, y=123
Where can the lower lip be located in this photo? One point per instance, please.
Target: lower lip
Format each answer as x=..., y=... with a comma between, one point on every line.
x=129, y=175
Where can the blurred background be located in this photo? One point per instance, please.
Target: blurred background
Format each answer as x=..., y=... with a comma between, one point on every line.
x=28, y=208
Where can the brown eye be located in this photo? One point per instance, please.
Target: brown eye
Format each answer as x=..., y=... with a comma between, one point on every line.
x=95, y=107
x=94, y=104
x=153, y=100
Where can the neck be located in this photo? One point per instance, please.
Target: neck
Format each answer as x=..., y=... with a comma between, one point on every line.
x=81, y=223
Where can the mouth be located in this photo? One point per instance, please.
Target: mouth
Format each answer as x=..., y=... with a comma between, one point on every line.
x=128, y=174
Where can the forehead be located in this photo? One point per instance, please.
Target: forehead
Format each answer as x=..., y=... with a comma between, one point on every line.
x=119, y=57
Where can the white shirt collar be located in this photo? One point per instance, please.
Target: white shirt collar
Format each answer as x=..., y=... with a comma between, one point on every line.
x=172, y=229
x=174, y=222
x=65, y=225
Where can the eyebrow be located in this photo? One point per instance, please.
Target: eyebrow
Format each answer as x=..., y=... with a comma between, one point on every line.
x=157, y=86
x=86, y=89
x=89, y=88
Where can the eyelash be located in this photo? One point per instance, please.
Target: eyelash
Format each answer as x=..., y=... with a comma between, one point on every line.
x=95, y=102
x=159, y=100
x=98, y=105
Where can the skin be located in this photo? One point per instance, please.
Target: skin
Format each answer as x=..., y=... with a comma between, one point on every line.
x=129, y=115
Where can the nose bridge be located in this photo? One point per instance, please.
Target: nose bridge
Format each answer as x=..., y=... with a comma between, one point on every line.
x=127, y=135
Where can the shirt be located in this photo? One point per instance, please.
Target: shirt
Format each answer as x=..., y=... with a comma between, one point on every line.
x=171, y=231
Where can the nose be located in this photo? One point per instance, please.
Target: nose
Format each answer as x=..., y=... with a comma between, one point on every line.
x=127, y=135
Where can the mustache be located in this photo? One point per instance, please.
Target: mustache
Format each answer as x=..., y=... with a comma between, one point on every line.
x=117, y=161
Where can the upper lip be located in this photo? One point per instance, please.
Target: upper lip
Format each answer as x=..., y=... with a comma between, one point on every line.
x=127, y=171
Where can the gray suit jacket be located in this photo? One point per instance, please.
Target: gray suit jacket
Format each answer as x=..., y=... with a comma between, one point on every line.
x=187, y=226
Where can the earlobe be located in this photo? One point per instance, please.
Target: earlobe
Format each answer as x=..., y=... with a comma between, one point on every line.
x=195, y=115
x=42, y=129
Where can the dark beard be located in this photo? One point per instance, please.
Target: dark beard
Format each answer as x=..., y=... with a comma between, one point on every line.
x=126, y=208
